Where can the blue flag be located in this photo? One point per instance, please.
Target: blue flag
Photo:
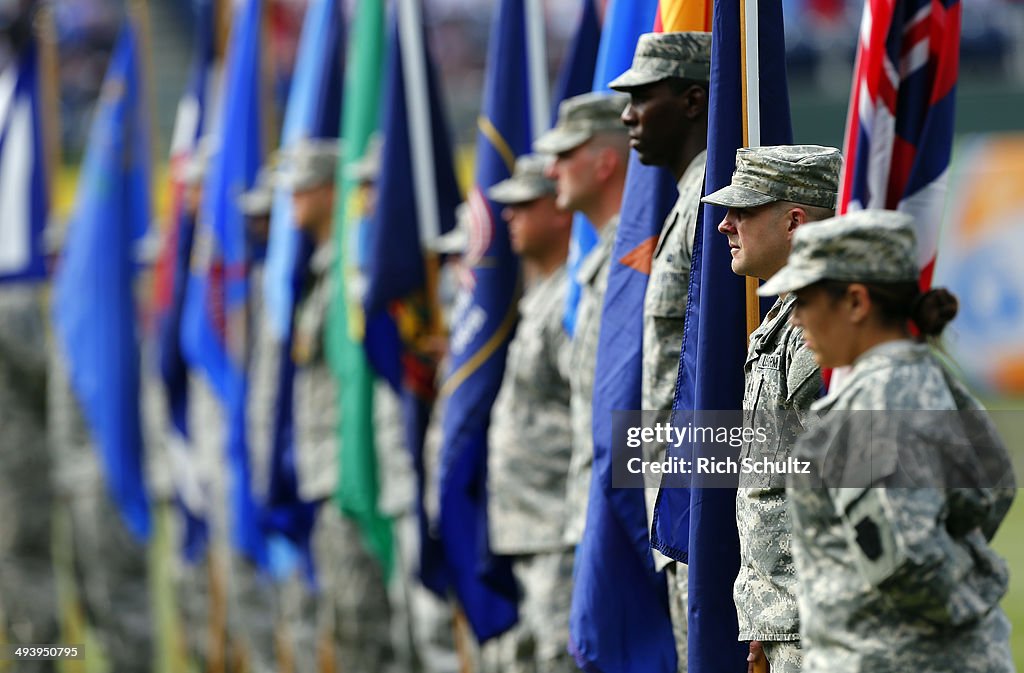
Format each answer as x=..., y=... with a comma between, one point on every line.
x=171, y=274
x=287, y=519
x=314, y=111
x=23, y=188
x=483, y=322
x=94, y=307
x=620, y=617
x=214, y=322
x=626, y=21
x=699, y=525
x=396, y=276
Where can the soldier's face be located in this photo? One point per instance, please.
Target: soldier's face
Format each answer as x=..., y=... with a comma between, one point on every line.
x=368, y=193
x=534, y=226
x=759, y=239
x=657, y=122
x=314, y=209
x=193, y=195
x=826, y=325
x=574, y=173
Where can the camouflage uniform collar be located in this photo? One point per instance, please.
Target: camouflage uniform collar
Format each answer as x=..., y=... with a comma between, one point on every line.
x=322, y=257
x=696, y=164
x=890, y=351
x=600, y=253
x=542, y=287
x=882, y=356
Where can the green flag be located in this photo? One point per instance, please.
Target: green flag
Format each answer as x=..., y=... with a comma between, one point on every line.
x=359, y=483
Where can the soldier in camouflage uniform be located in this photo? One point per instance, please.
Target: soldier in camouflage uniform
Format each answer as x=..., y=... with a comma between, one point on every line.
x=108, y=564
x=895, y=569
x=200, y=472
x=774, y=190
x=253, y=598
x=591, y=153
x=667, y=120
x=28, y=603
x=353, y=612
x=529, y=437
x=420, y=621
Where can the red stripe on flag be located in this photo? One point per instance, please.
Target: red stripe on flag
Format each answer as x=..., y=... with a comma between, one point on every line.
x=886, y=92
x=921, y=30
x=945, y=49
x=851, y=145
x=925, y=280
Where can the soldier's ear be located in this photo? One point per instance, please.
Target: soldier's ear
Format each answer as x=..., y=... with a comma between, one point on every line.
x=605, y=163
x=859, y=300
x=695, y=98
x=796, y=216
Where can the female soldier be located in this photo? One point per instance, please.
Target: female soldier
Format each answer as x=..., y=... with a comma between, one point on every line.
x=908, y=481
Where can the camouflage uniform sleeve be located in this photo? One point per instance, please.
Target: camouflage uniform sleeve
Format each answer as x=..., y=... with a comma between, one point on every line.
x=22, y=345
x=903, y=549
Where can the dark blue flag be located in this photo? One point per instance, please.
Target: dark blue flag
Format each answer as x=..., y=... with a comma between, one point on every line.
x=313, y=111
x=620, y=619
x=396, y=275
x=94, y=307
x=699, y=525
x=23, y=170
x=576, y=76
x=214, y=322
x=483, y=323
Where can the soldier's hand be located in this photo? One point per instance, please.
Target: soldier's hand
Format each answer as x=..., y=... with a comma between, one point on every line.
x=756, y=661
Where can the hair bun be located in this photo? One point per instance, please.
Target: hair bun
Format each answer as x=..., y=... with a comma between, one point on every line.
x=933, y=310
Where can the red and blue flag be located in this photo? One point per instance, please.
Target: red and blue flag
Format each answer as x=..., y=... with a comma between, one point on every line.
x=899, y=130
x=215, y=330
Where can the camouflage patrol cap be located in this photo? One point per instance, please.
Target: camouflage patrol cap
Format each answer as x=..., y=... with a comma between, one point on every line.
x=867, y=246
x=580, y=118
x=659, y=56
x=807, y=174
x=527, y=183
x=256, y=202
x=309, y=163
x=368, y=168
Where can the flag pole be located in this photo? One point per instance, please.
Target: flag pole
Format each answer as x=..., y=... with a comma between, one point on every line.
x=410, y=31
x=216, y=572
x=750, y=89
x=140, y=12
x=540, y=105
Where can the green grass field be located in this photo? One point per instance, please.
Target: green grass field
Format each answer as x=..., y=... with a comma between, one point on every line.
x=1010, y=543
